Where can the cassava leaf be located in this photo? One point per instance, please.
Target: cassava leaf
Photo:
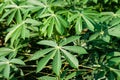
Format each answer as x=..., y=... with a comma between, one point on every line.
x=57, y=63
x=17, y=61
x=47, y=42
x=41, y=64
x=76, y=49
x=70, y=58
x=40, y=53
x=69, y=40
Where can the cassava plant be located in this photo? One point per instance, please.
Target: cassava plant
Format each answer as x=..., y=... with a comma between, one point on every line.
x=59, y=40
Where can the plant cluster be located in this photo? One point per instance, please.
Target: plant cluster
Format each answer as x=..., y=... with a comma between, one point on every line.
x=59, y=40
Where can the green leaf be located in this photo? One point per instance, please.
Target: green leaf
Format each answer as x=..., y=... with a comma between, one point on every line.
x=45, y=15
x=17, y=61
x=36, y=2
x=115, y=31
x=18, y=16
x=75, y=49
x=41, y=64
x=7, y=13
x=40, y=53
x=111, y=76
x=70, y=58
x=12, y=31
x=74, y=16
x=114, y=22
x=106, y=38
x=57, y=63
x=50, y=28
x=47, y=78
x=58, y=26
x=23, y=31
x=78, y=26
x=32, y=21
x=16, y=35
x=7, y=71
x=63, y=21
x=1, y=7
x=5, y=51
x=89, y=24
x=116, y=60
x=69, y=40
x=10, y=18
x=115, y=1
x=47, y=42
x=46, y=24
x=94, y=36
x=117, y=72
x=113, y=54
x=73, y=74
x=95, y=1
x=105, y=1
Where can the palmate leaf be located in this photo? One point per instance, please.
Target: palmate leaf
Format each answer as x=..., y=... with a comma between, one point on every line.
x=57, y=63
x=75, y=49
x=12, y=31
x=41, y=64
x=17, y=29
x=82, y=17
x=53, y=20
x=40, y=53
x=70, y=58
x=69, y=40
x=15, y=35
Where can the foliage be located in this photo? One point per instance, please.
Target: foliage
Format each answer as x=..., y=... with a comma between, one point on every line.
x=59, y=39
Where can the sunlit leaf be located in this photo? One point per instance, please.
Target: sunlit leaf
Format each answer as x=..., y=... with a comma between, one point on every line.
x=75, y=49
x=47, y=42
x=57, y=63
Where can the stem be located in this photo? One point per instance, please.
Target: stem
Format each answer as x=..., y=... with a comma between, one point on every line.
x=58, y=77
